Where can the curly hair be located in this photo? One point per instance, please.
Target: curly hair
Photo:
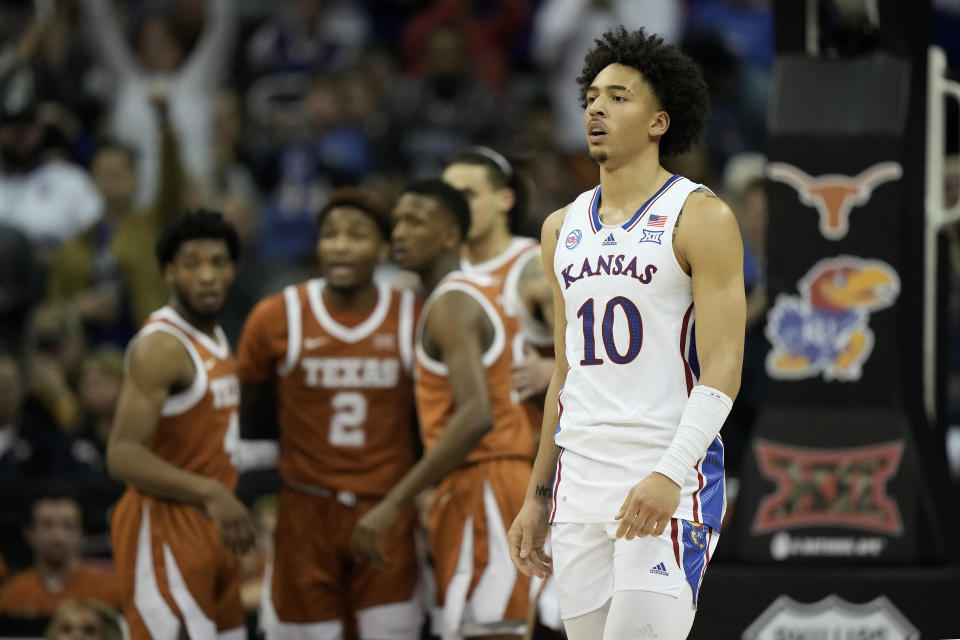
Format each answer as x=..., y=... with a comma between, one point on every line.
x=675, y=78
x=196, y=225
x=356, y=198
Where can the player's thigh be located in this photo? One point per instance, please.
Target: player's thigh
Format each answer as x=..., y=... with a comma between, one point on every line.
x=646, y=614
x=582, y=566
x=307, y=582
x=478, y=586
x=229, y=613
x=666, y=563
x=167, y=556
x=387, y=601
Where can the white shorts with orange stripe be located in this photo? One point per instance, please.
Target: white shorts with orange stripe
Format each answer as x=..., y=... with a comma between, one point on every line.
x=175, y=573
x=591, y=564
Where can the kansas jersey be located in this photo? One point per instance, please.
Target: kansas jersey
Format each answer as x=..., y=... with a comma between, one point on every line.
x=632, y=357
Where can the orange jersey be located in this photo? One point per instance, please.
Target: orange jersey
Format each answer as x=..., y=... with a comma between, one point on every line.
x=199, y=427
x=343, y=385
x=506, y=269
x=27, y=594
x=510, y=436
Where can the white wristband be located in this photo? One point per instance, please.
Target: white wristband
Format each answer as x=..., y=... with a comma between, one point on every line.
x=251, y=455
x=703, y=415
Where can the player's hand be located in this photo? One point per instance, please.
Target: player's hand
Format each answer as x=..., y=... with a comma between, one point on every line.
x=232, y=520
x=527, y=536
x=532, y=374
x=648, y=508
x=365, y=542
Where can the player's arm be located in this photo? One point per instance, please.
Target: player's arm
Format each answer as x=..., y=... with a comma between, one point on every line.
x=454, y=326
x=708, y=241
x=529, y=530
x=531, y=376
x=158, y=363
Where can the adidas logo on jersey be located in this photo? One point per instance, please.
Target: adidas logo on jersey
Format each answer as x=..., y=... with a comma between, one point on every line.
x=646, y=632
x=610, y=241
x=659, y=569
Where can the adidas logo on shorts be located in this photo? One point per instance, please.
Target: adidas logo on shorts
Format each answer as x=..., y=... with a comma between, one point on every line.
x=659, y=569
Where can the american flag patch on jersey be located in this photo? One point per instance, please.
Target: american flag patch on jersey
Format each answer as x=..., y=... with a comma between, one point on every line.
x=656, y=221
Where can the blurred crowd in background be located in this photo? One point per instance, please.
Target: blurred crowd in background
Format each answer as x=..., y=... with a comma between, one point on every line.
x=116, y=116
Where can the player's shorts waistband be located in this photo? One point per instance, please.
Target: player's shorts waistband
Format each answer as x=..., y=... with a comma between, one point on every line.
x=346, y=498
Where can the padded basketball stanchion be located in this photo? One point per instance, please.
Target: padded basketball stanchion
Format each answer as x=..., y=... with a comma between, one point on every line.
x=833, y=473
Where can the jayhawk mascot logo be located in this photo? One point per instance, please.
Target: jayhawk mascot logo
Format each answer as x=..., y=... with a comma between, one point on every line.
x=825, y=330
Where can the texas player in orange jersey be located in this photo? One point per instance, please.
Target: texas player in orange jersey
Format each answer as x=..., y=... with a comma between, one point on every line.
x=477, y=440
x=338, y=353
x=178, y=528
x=497, y=198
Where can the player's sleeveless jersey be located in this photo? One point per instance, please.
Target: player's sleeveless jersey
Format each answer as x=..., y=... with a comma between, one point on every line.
x=630, y=348
x=199, y=427
x=510, y=436
x=506, y=268
x=343, y=386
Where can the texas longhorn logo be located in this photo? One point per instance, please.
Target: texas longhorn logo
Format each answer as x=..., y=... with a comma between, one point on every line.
x=834, y=194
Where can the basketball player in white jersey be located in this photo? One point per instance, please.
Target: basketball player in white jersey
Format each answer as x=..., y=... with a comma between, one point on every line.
x=650, y=315
x=497, y=198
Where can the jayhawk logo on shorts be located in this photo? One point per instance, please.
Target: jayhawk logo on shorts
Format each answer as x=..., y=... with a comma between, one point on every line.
x=825, y=330
x=698, y=533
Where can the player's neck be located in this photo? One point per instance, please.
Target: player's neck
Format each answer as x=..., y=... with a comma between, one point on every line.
x=625, y=187
x=57, y=572
x=359, y=298
x=205, y=325
x=490, y=246
x=439, y=269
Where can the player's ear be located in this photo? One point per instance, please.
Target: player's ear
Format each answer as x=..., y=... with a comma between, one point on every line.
x=168, y=274
x=451, y=237
x=506, y=198
x=383, y=252
x=660, y=123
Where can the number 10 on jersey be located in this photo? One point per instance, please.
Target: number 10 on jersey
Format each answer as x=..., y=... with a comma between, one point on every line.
x=634, y=324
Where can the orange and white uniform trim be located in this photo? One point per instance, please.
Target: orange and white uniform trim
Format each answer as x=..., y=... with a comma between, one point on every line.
x=173, y=568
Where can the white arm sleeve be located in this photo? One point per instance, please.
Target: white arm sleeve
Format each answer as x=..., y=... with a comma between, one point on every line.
x=703, y=415
x=252, y=455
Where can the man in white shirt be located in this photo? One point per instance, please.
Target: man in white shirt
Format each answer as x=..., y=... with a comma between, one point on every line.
x=49, y=200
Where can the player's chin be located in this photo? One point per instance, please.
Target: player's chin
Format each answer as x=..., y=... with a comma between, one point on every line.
x=343, y=281
x=406, y=260
x=208, y=304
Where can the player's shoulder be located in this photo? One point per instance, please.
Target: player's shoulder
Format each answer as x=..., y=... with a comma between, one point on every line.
x=552, y=225
x=20, y=582
x=271, y=312
x=705, y=206
x=460, y=293
x=707, y=226
x=157, y=339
